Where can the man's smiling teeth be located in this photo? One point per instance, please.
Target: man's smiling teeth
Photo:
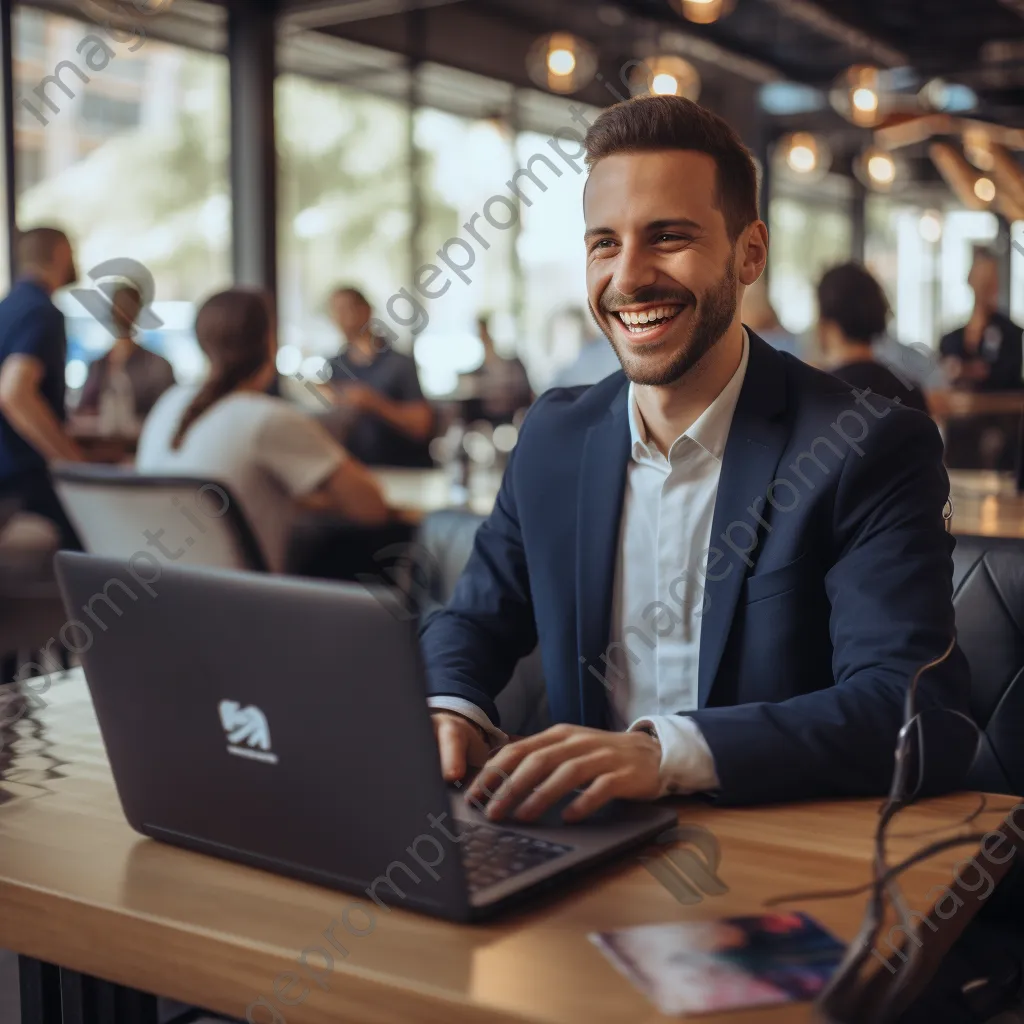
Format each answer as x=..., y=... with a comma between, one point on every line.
x=635, y=321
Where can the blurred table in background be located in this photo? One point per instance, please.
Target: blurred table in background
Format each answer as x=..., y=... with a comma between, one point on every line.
x=948, y=404
x=418, y=492
x=98, y=446
x=986, y=504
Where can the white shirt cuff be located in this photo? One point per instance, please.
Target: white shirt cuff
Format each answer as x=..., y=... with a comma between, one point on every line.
x=687, y=764
x=469, y=710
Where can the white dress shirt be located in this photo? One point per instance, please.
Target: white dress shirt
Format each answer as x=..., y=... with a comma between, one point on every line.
x=650, y=665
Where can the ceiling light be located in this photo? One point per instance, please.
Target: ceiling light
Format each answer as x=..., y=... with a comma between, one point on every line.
x=930, y=226
x=704, y=12
x=665, y=76
x=865, y=100
x=878, y=169
x=985, y=189
x=664, y=85
x=803, y=156
x=802, y=159
x=561, y=62
x=882, y=168
x=859, y=96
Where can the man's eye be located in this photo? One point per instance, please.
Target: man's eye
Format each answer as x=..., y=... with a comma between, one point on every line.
x=603, y=243
x=672, y=238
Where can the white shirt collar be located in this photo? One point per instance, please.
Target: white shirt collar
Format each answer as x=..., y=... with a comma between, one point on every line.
x=710, y=430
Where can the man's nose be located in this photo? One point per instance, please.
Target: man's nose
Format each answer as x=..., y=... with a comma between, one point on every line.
x=634, y=269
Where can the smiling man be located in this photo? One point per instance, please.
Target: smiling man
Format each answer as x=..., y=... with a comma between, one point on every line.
x=733, y=564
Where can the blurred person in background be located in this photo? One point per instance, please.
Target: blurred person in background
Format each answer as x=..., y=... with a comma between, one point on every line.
x=595, y=360
x=760, y=316
x=124, y=384
x=33, y=351
x=852, y=312
x=985, y=354
x=383, y=418
x=501, y=384
x=273, y=457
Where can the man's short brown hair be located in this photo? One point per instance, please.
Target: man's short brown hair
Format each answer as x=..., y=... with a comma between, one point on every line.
x=352, y=291
x=38, y=246
x=851, y=297
x=650, y=123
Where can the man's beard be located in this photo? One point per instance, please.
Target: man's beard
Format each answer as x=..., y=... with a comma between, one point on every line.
x=712, y=317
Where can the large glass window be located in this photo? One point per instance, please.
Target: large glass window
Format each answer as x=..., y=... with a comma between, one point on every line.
x=126, y=149
x=344, y=206
x=469, y=228
x=807, y=237
x=551, y=253
x=922, y=256
x=1017, y=272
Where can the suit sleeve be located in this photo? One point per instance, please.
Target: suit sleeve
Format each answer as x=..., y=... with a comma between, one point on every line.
x=890, y=590
x=472, y=646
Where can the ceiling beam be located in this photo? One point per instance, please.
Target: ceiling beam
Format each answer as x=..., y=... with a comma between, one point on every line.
x=328, y=13
x=813, y=16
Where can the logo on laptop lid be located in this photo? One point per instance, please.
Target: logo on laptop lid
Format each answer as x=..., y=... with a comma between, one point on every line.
x=247, y=731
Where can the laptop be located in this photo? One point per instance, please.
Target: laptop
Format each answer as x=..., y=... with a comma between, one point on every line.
x=282, y=723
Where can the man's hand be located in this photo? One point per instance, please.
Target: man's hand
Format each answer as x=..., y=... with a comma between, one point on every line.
x=462, y=743
x=360, y=397
x=530, y=775
x=953, y=367
x=976, y=370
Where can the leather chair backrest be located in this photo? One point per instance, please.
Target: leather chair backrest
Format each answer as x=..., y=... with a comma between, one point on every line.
x=115, y=511
x=988, y=598
x=446, y=542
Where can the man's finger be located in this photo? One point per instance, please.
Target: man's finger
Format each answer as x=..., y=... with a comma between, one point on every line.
x=495, y=773
x=453, y=743
x=570, y=775
x=603, y=789
x=572, y=738
x=531, y=771
x=564, y=760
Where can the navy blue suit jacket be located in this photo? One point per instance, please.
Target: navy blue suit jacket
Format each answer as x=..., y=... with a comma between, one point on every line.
x=828, y=582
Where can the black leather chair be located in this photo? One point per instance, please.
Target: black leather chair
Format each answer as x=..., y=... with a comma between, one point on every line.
x=988, y=595
x=444, y=543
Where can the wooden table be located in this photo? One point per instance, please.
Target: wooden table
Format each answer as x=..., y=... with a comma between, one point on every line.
x=418, y=492
x=986, y=504
x=80, y=889
x=101, y=447
x=946, y=404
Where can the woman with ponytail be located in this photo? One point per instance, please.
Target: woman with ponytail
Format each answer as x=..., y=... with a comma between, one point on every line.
x=270, y=455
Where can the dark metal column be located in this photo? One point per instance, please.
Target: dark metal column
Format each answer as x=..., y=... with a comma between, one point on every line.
x=1004, y=252
x=415, y=24
x=858, y=221
x=251, y=55
x=10, y=185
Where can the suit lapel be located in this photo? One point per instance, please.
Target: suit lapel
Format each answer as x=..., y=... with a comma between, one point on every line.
x=756, y=441
x=602, y=484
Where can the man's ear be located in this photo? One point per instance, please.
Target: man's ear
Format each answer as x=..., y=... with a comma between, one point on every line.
x=752, y=252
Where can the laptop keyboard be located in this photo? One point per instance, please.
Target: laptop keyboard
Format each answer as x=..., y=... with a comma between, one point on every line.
x=492, y=855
